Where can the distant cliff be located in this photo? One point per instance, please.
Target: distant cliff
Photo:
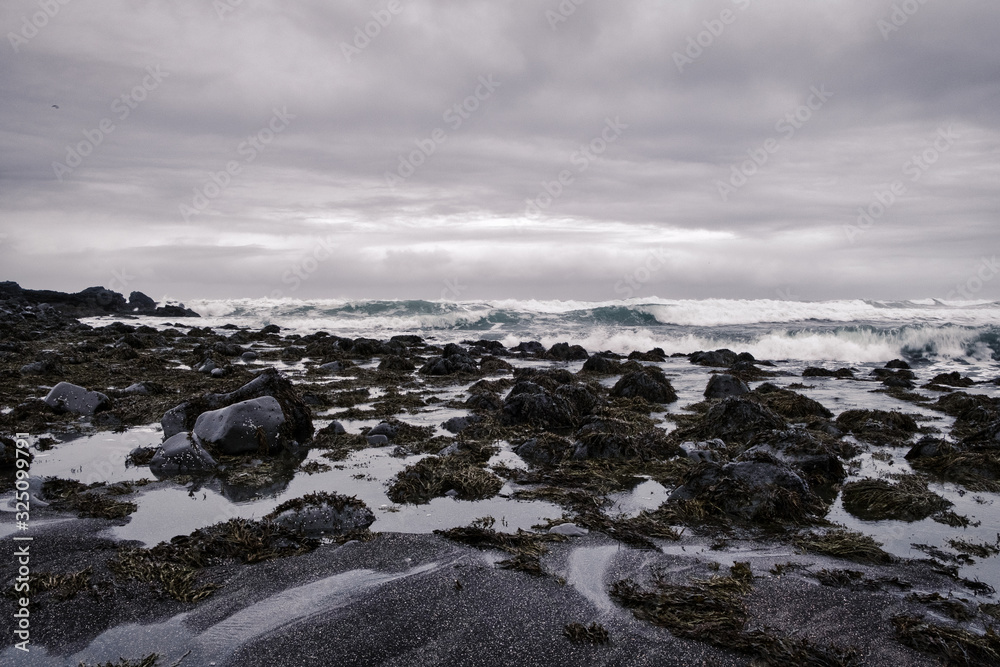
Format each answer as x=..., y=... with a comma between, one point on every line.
x=91, y=302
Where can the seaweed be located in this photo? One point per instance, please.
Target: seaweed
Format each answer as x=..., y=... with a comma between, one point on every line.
x=714, y=610
x=595, y=633
x=435, y=476
x=844, y=543
x=908, y=499
x=86, y=500
x=956, y=646
x=525, y=548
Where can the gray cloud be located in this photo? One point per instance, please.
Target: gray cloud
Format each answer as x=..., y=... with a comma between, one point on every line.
x=463, y=213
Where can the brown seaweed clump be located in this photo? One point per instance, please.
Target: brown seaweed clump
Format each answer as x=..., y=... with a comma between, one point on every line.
x=595, y=633
x=87, y=501
x=956, y=646
x=526, y=548
x=715, y=611
x=878, y=427
x=844, y=543
x=908, y=499
x=437, y=476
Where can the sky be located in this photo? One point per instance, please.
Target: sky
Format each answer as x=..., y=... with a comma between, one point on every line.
x=487, y=149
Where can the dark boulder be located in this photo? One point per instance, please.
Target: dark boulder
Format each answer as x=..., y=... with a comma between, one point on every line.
x=650, y=384
x=718, y=358
x=491, y=365
x=66, y=397
x=254, y=426
x=813, y=372
x=139, y=301
x=545, y=449
x=181, y=454
x=790, y=404
x=953, y=379
x=396, y=364
x=529, y=403
x=735, y=420
x=898, y=363
x=878, y=426
x=723, y=386
x=601, y=365
x=566, y=352
x=459, y=424
x=323, y=513
x=531, y=348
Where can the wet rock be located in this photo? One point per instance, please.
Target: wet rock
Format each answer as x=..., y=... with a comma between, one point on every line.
x=377, y=440
x=582, y=397
x=898, y=363
x=566, y=352
x=323, y=513
x=953, y=379
x=656, y=354
x=601, y=365
x=759, y=490
x=334, y=367
x=604, y=438
x=529, y=403
x=396, y=364
x=249, y=356
x=486, y=401
x=270, y=382
x=253, y=426
x=545, y=449
x=219, y=372
x=228, y=349
x=908, y=499
x=47, y=366
x=817, y=461
x=718, y=358
x=385, y=428
x=66, y=397
x=736, y=420
x=408, y=339
x=335, y=428
x=531, y=348
x=650, y=384
x=144, y=389
x=710, y=450
x=139, y=301
x=271, y=329
x=878, y=426
x=568, y=530
x=454, y=360
x=723, y=386
x=790, y=404
x=492, y=365
x=459, y=424
x=843, y=373
x=928, y=447
x=181, y=454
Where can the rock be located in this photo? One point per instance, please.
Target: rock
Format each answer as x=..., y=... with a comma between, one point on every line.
x=333, y=367
x=396, y=363
x=704, y=451
x=824, y=373
x=491, y=365
x=139, y=301
x=408, y=340
x=323, y=513
x=928, y=447
x=249, y=356
x=650, y=383
x=568, y=530
x=816, y=461
x=529, y=403
x=735, y=420
x=790, y=404
x=144, y=389
x=181, y=454
x=459, y=424
x=601, y=365
x=486, y=401
x=66, y=397
x=335, y=428
x=271, y=329
x=545, y=449
x=878, y=426
x=566, y=352
x=898, y=363
x=43, y=367
x=760, y=490
x=531, y=348
x=656, y=354
x=719, y=358
x=723, y=386
x=384, y=428
x=603, y=438
x=252, y=426
x=269, y=382
x=218, y=373
x=953, y=379
x=455, y=360
x=377, y=440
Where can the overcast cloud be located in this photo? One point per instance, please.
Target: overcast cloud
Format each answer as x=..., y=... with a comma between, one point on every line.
x=265, y=148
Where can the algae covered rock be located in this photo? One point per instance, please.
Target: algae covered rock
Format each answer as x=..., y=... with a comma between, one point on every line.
x=724, y=385
x=323, y=513
x=649, y=383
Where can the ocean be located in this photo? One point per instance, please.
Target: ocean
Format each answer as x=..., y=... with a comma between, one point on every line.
x=855, y=331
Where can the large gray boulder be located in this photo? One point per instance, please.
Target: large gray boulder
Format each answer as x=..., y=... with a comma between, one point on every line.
x=66, y=397
x=181, y=454
x=247, y=427
x=298, y=425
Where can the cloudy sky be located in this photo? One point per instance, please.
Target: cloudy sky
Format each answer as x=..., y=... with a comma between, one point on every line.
x=473, y=149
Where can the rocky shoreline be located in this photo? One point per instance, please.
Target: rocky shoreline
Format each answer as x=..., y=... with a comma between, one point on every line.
x=740, y=565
